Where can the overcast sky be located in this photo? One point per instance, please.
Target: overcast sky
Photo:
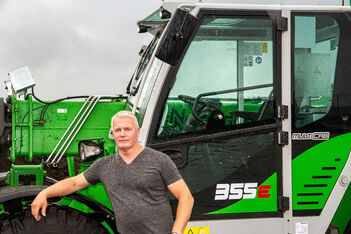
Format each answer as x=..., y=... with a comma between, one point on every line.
x=77, y=47
x=72, y=47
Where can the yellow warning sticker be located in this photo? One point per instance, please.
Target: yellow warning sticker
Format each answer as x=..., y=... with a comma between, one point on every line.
x=245, y=65
x=197, y=230
x=264, y=47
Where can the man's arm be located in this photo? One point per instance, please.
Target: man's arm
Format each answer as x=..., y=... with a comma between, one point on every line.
x=61, y=188
x=180, y=190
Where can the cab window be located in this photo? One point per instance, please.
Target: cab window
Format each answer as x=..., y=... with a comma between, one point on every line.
x=225, y=79
x=315, y=52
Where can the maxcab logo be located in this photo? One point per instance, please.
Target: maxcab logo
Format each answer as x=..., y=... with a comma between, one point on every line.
x=237, y=191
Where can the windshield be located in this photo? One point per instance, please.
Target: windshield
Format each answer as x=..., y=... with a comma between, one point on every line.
x=135, y=82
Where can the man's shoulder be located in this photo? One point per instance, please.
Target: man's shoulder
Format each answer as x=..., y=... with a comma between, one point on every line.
x=154, y=153
x=106, y=159
x=156, y=156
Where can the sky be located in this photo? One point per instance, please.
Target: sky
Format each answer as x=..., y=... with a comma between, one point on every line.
x=78, y=47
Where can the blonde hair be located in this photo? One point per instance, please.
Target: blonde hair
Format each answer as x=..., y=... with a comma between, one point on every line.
x=123, y=114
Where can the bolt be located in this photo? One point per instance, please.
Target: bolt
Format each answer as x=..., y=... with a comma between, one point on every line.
x=344, y=181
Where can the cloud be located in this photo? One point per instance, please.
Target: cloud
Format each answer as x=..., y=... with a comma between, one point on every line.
x=77, y=47
x=72, y=47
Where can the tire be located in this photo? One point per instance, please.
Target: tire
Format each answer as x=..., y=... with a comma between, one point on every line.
x=58, y=220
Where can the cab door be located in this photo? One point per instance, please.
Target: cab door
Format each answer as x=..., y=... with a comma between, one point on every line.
x=217, y=115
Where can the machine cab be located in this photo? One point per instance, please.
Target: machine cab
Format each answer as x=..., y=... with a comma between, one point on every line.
x=244, y=100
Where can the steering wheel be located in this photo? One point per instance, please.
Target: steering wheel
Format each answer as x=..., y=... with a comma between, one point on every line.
x=200, y=109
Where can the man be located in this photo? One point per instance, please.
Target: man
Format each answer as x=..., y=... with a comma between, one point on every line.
x=136, y=180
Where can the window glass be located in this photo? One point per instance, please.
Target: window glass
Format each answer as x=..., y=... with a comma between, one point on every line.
x=139, y=72
x=225, y=78
x=315, y=53
x=147, y=89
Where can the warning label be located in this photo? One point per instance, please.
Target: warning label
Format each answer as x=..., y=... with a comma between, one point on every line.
x=248, y=60
x=264, y=47
x=197, y=230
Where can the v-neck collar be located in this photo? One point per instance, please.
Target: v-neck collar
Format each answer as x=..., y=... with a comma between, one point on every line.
x=132, y=162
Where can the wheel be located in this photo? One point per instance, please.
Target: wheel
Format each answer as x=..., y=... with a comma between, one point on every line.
x=199, y=109
x=58, y=220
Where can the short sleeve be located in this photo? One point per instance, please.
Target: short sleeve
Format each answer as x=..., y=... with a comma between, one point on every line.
x=92, y=173
x=169, y=171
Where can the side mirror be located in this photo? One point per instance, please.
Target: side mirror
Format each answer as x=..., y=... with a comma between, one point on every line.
x=176, y=36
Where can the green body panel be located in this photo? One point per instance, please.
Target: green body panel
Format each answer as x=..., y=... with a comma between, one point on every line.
x=326, y=159
x=46, y=133
x=67, y=201
x=256, y=204
x=343, y=214
x=70, y=166
x=13, y=176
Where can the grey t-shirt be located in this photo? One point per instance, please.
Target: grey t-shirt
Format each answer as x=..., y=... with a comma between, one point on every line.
x=138, y=191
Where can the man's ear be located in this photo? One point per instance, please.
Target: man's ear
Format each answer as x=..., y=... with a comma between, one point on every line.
x=110, y=136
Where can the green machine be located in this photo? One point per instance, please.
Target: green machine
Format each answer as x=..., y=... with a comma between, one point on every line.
x=251, y=102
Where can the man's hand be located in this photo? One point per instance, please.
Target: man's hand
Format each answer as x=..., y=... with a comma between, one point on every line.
x=39, y=203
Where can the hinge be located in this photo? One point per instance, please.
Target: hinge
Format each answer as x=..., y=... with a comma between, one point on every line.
x=283, y=203
x=282, y=24
x=282, y=112
x=283, y=138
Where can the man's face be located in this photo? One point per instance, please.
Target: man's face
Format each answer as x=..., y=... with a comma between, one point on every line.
x=125, y=133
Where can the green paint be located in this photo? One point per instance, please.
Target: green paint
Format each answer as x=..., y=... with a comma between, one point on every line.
x=13, y=176
x=30, y=125
x=67, y=201
x=13, y=130
x=71, y=167
x=343, y=214
x=256, y=204
x=108, y=228
x=2, y=209
x=44, y=131
x=328, y=154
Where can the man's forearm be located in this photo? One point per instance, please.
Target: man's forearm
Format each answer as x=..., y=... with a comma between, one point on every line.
x=61, y=188
x=185, y=206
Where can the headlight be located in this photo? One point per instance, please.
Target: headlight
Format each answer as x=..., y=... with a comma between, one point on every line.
x=89, y=151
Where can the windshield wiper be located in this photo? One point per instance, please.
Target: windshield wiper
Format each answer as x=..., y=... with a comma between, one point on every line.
x=136, y=75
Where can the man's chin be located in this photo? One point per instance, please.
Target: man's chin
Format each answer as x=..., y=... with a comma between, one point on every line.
x=123, y=146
